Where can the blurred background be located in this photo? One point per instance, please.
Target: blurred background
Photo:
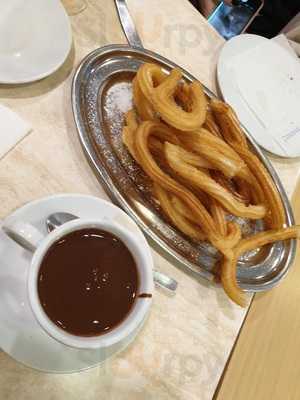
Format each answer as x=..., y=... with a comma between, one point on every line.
x=232, y=17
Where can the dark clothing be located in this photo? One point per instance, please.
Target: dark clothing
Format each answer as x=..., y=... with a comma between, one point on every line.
x=195, y=3
x=274, y=16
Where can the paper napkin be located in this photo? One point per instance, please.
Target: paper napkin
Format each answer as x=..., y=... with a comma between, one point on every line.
x=12, y=129
x=268, y=80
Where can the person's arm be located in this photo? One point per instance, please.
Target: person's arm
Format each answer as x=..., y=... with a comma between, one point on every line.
x=207, y=6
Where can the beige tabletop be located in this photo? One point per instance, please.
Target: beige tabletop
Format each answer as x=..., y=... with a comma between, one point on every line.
x=183, y=348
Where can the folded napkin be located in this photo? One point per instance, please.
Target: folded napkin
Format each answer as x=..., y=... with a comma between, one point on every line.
x=292, y=32
x=283, y=41
x=12, y=129
x=267, y=78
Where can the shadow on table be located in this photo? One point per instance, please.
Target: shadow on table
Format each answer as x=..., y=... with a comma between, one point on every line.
x=38, y=88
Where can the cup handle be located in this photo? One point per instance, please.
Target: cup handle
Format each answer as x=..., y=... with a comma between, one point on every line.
x=23, y=233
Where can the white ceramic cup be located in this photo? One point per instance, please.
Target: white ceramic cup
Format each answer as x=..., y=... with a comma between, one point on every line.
x=30, y=238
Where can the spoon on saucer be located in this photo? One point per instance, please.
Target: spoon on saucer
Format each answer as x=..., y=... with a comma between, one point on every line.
x=59, y=218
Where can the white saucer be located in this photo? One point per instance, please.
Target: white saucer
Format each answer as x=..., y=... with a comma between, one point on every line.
x=20, y=334
x=284, y=71
x=35, y=39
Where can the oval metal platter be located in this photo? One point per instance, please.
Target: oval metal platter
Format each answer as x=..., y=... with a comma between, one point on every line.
x=101, y=94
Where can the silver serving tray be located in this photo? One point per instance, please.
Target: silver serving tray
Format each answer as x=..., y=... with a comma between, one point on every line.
x=101, y=94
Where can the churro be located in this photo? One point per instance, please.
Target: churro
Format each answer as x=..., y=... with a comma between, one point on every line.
x=202, y=168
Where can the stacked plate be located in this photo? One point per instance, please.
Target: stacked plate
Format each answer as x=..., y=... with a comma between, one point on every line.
x=35, y=39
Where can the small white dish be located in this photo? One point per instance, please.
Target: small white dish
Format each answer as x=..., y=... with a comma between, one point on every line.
x=260, y=80
x=21, y=335
x=35, y=39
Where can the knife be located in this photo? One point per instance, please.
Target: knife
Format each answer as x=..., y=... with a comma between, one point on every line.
x=128, y=25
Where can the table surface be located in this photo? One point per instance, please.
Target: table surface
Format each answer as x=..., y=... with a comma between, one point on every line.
x=184, y=346
x=265, y=361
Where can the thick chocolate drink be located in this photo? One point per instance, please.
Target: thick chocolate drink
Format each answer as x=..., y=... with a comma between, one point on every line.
x=87, y=282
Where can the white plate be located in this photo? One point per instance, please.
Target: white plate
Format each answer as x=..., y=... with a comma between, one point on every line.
x=279, y=62
x=20, y=334
x=35, y=39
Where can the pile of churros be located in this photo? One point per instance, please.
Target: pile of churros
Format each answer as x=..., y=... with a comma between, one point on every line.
x=202, y=168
